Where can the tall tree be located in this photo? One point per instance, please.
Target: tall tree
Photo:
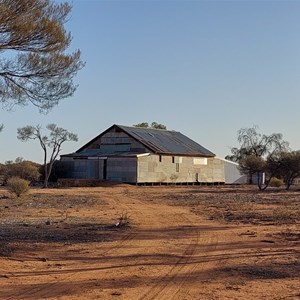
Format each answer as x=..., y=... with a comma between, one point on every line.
x=254, y=143
x=34, y=66
x=289, y=167
x=53, y=143
x=255, y=148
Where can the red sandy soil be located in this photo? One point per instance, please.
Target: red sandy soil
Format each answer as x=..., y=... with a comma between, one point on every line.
x=174, y=242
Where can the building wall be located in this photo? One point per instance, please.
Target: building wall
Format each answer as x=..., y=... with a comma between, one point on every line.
x=115, y=140
x=172, y=169
x=122, y=169
x=232, y=173
x=83, y=168
x=148, y=168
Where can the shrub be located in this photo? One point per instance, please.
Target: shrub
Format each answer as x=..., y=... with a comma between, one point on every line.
x=18, y=185
x=275, y=182
x=24, y=169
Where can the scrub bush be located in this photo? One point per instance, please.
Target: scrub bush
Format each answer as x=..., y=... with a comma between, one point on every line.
x=18, y=185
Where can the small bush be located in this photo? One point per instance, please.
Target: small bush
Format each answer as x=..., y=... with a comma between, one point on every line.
x=275, y=182
x=124, y=220
x=18, y=185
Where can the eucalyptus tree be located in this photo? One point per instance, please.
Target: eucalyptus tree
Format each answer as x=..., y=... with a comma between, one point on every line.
x=51, y=144
x=34, y=65
x=289, y=167
x=255, y=150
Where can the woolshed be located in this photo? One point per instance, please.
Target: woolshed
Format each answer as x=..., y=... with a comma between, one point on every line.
x=144, y=156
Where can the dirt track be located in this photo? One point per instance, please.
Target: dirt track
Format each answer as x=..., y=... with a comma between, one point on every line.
x=170, y=250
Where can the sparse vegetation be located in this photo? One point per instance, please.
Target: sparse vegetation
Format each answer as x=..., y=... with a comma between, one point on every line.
x=276, y=182
x=70, y=229
x=244, y=206
x=18, y=185
x=50, y=144
x=24, y=169
x=123, y=221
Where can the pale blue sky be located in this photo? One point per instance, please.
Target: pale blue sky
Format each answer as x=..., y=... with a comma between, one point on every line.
x=204, y=68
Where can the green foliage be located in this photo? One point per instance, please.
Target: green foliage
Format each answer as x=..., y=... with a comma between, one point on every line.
x=154, y=125
x=36, y=69
x=142, y=125
x=252, y=164
x=18, y=185
x=158, y=126
x=289, y=166
x=258, y=153
x=254, y=143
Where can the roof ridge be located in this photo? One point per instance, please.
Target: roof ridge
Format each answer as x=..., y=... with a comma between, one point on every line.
x=146, y=128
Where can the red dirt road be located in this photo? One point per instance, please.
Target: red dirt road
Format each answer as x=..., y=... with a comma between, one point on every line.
x=168, y=252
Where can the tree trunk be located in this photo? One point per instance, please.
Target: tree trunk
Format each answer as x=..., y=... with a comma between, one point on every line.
x=45, y=170
x=46, y=177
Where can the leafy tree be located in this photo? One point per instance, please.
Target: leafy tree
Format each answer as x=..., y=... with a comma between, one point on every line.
x=142, y=125
x=158, y=126
x=53, y=143
x=289, y=167
x=254, y=152
x=34, y=66
x=253, y=165
x=254, y=143
x=153, y=125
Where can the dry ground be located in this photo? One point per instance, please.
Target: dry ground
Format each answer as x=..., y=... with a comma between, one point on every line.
x=179, y=243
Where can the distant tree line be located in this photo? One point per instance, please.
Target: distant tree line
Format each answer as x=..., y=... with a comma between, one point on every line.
x=31, y=171
x=268, y=155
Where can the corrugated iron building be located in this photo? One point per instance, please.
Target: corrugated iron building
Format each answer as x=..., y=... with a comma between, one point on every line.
x=143, y=155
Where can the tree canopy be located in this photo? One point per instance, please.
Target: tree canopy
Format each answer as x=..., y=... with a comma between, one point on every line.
x=153, y=125
x=34, y=67
x=254, y=143
x=258, y=153
x=53, y=143
x=286, y=166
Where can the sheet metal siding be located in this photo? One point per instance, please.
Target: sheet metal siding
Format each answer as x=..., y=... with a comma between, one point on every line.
x=232, y=174
x=116, y=141
x=151, y=169
x=84, y=169
x=122, y=169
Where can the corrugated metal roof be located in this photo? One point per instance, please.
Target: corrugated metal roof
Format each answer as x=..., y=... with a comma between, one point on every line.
x=158, y=141
x=166, y=141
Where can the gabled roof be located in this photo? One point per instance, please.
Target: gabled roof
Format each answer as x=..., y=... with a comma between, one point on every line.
x=160, y=141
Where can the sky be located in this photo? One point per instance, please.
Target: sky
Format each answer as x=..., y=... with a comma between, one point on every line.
x=204, y=68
